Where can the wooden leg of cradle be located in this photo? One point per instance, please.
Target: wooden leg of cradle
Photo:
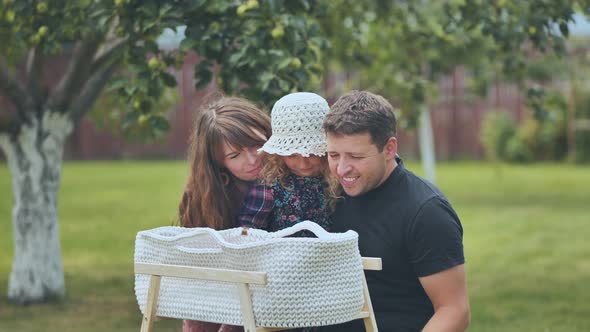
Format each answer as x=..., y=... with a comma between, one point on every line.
x=370, y=322
x=151, y=304
x=247, y=308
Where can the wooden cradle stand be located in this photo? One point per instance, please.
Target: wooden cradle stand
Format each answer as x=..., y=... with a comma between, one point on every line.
x=243, y=279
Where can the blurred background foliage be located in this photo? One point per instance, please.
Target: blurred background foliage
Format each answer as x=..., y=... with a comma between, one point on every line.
x=559, y=100
x=264, y=49
x=403, y=49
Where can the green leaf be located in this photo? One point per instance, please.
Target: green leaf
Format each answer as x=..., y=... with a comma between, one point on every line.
x=168, y=79
x=118, y=83
x=159, y=122
x=235, y=58
x=129, y=119
x=203, y=78
x=283, y=63
x=563, y=28
x=284, y=86
x=264, y=80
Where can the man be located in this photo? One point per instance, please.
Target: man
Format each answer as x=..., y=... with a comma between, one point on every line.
x=399, y=217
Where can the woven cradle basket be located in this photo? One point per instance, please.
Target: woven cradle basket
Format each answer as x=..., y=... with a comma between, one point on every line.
x=310, y=281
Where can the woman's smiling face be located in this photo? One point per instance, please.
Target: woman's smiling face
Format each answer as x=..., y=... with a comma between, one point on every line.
x=245, y=164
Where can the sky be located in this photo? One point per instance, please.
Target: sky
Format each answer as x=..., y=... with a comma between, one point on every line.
x=581, y=26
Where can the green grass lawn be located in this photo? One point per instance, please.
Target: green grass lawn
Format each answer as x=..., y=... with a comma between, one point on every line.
x=525, y=242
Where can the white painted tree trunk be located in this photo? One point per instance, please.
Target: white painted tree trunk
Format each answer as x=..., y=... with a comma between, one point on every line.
x=426, y=142
x=35, y=158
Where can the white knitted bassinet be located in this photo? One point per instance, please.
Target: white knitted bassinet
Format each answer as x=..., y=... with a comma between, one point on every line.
x=310, y=281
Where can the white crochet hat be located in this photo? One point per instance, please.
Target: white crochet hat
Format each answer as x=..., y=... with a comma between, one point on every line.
x=297, y=125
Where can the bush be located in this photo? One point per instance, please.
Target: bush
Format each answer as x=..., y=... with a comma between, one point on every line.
x=545, y=140
x=518, y=148
x=583, y=147
x=583, y=136
x=552, y=134
x=497, y=129
x=535, y=139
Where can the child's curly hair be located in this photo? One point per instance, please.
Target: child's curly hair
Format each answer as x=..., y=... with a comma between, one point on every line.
x=275, y=170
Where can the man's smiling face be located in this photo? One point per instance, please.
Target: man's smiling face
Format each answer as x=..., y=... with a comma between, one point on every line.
x=358, y=163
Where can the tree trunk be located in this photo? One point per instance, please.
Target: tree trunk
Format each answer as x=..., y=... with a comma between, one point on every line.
x=426, y=142
x=34, y=157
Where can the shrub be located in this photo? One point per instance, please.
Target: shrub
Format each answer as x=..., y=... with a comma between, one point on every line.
x=582, y=147
x=552, y=134
x=535, y=139
x=518, y=146
x=497, y=129
x=545, y=140
x=541, y=137
x=583, y=136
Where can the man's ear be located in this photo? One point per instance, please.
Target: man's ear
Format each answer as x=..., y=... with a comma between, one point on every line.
x=390, y=148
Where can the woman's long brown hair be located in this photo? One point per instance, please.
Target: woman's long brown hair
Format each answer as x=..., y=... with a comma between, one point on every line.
x=213, y=195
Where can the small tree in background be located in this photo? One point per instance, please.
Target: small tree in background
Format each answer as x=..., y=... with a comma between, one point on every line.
x=402, y=49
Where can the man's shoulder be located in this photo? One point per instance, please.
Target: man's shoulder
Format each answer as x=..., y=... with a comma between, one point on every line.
x=429, y=203
x=402, y=189
x=420, y=190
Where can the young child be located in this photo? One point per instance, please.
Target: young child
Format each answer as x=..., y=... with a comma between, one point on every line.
x=293, y=184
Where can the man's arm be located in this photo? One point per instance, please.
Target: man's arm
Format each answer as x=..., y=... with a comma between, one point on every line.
x=447, y=291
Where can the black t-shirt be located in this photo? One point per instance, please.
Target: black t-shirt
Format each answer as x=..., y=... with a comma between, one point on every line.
x=409, y=223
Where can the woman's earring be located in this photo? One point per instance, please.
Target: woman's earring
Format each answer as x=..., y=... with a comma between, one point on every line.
x=225, y=179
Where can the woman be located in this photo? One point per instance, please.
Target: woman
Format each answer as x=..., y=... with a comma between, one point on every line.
x=224, y=159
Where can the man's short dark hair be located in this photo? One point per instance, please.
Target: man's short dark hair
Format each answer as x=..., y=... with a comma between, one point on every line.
x=358, y=112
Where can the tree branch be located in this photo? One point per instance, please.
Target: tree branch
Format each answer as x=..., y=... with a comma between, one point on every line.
x=14, y=91
x=105, y=54
x=33, y=75
x=9, y=123
x=76, y=74
x=91, y=91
